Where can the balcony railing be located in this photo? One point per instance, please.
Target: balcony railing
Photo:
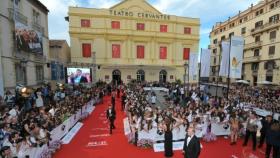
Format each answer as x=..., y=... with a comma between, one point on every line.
x=251, y=59
x=18, y=16
x=255, y=72
x=37, y=27
x=253, y=45
x=265, y=27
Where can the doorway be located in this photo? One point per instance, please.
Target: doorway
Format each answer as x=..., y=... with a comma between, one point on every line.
x=116, y=77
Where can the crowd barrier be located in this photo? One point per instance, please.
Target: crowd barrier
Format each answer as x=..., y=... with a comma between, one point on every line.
x=156, y=89
x=60, y=131
x=261, y=112
x=179, y=133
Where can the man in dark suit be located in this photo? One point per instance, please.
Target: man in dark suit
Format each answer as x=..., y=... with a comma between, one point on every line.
x=191, y=147
x=111, y=116
x=79, y=78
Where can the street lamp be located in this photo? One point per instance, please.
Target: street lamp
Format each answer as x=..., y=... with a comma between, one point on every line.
x=186, y=65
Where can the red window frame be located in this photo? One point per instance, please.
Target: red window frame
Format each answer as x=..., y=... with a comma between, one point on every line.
x=187, y=30
x=186, y=54
x=116, y=24
x=140, y=26
x=163, y=52
x=85, y=23
x=116, y=51
x=163, y=28
x=86, y=49
x=140, y=52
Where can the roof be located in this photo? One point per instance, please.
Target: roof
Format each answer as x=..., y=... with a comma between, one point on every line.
x=40, y=5
x=57, y=42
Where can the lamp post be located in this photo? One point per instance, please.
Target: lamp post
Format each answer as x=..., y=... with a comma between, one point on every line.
x=186, y=65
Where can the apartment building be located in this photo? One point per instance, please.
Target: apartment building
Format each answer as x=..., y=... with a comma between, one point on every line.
x=24, y=42
x=259, y=25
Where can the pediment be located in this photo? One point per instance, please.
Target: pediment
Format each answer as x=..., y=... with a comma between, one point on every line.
x=135, y=6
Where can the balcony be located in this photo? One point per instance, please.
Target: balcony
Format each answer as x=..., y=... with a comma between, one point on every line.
x=253, y=45
x=37, y=27
x=255, y=72
x=18, y=16
x=251, y=59
x=265, y=27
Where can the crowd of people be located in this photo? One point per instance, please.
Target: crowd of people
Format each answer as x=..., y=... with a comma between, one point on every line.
x=199, y=110
x=26, y=121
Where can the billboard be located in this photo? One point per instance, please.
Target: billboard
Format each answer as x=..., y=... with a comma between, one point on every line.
x=78, y=75
x=28, y=39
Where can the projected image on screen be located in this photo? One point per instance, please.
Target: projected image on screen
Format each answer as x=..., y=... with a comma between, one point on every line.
x=78, y=75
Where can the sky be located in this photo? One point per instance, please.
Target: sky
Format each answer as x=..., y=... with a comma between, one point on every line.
x=209, y=12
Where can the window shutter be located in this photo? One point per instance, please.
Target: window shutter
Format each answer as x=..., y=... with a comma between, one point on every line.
x=186, y=55
x=163, y=52
x=116, y=48
x=140, y=52
x=85, y=23
x=86, y=50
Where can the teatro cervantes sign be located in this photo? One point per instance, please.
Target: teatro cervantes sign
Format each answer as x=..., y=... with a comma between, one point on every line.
x=139, y=15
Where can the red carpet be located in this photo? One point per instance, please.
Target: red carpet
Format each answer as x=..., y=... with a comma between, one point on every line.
x=82, y=145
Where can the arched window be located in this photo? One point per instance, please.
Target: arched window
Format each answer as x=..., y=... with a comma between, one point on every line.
x=140, y=75
x=162, y=76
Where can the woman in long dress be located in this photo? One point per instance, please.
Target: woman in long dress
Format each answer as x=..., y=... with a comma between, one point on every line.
x=168, y=137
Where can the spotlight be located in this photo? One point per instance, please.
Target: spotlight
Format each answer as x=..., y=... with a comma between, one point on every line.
x=60, y=85
x=23, y=90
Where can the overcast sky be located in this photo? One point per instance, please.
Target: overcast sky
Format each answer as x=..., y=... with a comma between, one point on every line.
x=209, y=12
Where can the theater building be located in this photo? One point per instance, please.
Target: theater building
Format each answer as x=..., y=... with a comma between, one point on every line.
x=132, y=40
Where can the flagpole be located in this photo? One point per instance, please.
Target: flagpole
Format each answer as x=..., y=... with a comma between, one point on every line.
x=217, y=84
x=228, y=84
x=199, y=79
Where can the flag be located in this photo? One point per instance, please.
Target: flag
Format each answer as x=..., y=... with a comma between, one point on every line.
x=205, y=62
x=193, y=66
x=236, y=56
x=225, y=59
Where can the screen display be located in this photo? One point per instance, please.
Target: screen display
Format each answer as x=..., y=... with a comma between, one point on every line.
x=78, y=75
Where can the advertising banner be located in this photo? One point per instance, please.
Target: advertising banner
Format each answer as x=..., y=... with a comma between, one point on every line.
x=236, y=56
x=27, y=39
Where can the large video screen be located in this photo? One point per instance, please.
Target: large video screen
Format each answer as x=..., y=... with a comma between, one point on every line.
x=78, y=75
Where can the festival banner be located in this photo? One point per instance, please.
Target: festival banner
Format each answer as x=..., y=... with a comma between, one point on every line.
x=205, y=62
x=225, y=59
x=27, y=39
x=236, y=56
x=193, y=66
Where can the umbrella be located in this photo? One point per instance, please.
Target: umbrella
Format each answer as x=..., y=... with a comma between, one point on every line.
x=242, y=81
x=266, y=83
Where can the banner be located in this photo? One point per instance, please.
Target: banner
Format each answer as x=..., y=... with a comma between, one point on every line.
x=193, y=66
x=126, y=126
x=70, y=135
x=27, y=39
x=205, y=62
x=159, y=147
x=236, y=56
x=225, y=59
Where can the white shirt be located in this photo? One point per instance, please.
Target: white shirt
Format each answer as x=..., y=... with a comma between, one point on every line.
x=189, y=139
x=154, y=99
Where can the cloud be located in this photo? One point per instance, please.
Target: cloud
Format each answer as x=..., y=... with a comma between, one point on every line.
x=209, y=12
x=58, y=27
